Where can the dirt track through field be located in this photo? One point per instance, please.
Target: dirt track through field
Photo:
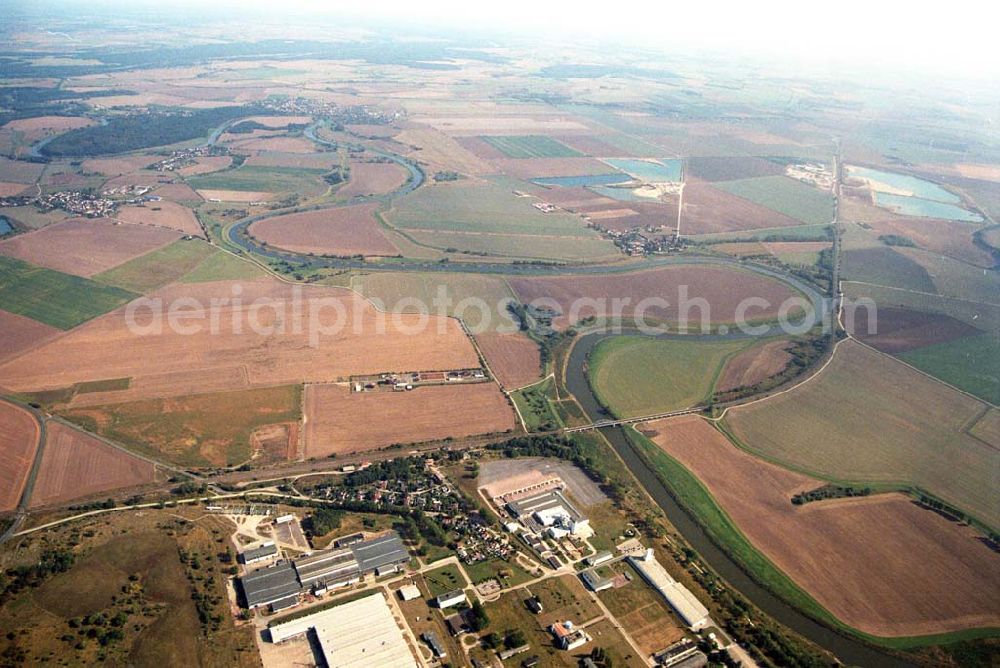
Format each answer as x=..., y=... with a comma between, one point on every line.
x=881, y=563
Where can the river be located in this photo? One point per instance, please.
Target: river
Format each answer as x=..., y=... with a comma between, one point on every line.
x=845, y=649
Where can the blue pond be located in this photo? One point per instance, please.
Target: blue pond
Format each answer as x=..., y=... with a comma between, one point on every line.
x=925, y=208
x=587, y=180
x=5, y=226
x=649, y=172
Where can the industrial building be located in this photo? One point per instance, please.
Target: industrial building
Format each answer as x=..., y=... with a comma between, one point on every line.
x=256, y=555
x=322, y=570
x=550, y=513
x=448, y=599
x=409, y=592
x=684, y=603
x=358, y=634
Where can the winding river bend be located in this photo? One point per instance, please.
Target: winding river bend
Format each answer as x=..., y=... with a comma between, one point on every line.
x=846, y=649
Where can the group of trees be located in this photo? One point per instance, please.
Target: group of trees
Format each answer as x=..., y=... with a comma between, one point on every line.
x=51, y=562
x=323, y=520
x=829, y=492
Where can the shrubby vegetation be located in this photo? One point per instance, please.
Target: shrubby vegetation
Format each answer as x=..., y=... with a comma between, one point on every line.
x=829, y=492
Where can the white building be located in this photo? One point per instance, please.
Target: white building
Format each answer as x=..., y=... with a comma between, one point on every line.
x=450, y=598
x=685, y=604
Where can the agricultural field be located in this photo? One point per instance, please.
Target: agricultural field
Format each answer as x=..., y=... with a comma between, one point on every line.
x=86, y=247
x=945, y=237
x=635, y=375
x=19, y=442
x=971, y=363
x=531, y=146
x=520, y=246
x=886, y=266
x=223, y=266
x=373, y=178
x=337, y=420
x=786, y=196
x=206, y=165
x=214, y=429
x=20, y=333
x=159, y=267
x=711, y=210
x=337, y=334
x=731, y=168
x=513, y=358
x=163, y=214
x=77, y=465
x=863, y=427
x=889, y=567
x=342, y=231
x=637, y=607
x=412, y=292
x=53, y=298
x=898, y=330
x=582, y=296
x=754, y=365
x=250, y=178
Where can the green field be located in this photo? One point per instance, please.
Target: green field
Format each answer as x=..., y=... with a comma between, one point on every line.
x=634, y=375
x=798, y=233
x=984, y=316
x=522, y=245
x=784, y=195
x=971, y=363
x=537, y=406
x=402, y=291
x=885, y=266
x=264, y=179
x=223, y=266
x=531, y=146
x=869, y=419
x=199, y=430
x=54, y=298
x=159, y=267
x=444, y=579
x=953, y=278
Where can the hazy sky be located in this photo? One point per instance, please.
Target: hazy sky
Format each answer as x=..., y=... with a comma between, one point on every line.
x=957, y=36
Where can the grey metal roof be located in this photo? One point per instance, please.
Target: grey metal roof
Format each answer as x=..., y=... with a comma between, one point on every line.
x=258, y=552
x=382, y=551
x=326, y=566
x=270, y=584
x=542, y=502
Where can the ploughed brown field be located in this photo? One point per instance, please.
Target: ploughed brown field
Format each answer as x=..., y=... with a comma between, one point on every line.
x=163, y=214
x=338, y=420
x=348, y=230
x=897, y=330
x=20, y=333
x=880, y=563
x=18, y=444
x=754, y=365
x=206, y=164
x=10, y=189
x=723, y=288
x=282, y=144
x=708, y=210
x=76, y=465
x=32, y=126
x=267, y=343
x=84, y=246
x=514, y=358
x=116, y=166
x=178, y=191
x=373, y=178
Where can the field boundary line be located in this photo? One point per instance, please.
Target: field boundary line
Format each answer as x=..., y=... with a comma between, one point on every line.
x=926, y=294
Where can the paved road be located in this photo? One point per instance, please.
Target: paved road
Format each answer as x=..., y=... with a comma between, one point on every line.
x=21, y=512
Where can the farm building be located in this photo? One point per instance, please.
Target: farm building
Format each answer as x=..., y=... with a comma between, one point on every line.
x=684, y=603
x=268, y=585
x=595, y=582
x=567, y=636
x=448, y=599
x=255, y=555
x=551, y=513
x=359, y=633
x=409, y=592
x=599, y=558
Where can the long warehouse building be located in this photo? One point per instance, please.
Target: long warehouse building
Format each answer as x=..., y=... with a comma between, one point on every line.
x=685, y=604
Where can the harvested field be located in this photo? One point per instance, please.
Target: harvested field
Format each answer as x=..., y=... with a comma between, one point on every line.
x=298, y=160
x=118, y=166
x=18, y=442
x=868, y=418
x=178, y=192
x=898, y=330
x=373, y=178
x=754, y=365
x=279, y=121
x=206, y=164
x=21, y=333
x=339, y=421
x=526, y=246
x=8, y=189
x=797, y=252
x=708, y=210
x=979, y=171
x=214, y=429
x=163, y=214
x=514, y=358
x=37, y=126
x=19, y=171
x=533, y=168
x=730, y=168
x=581, y=296
x=252, y=345
x=280, y=144
x=887, y=567
x=84, y=246
x=77, y=465
x=343, y=231
x=502, y=125
x=947, y=237
x=441, y=151
x=530, y=146
x=234, y=195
